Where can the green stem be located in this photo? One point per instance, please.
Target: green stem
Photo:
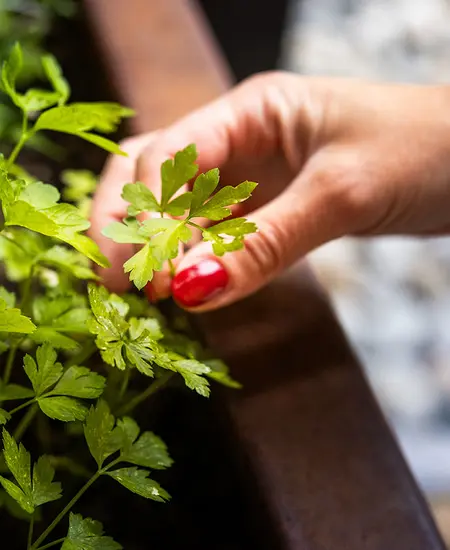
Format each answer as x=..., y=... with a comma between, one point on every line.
x=12, y=241
x=66, y=509
x=89, y=348
x=50, y=544
x=193, y=224
x=30, y=532
x=9, y=363
x=25, y=136
x=153, y=388
x=25, y=422
x=124, y=385
x=171, y=269
x=27, y=289
x=20, y=407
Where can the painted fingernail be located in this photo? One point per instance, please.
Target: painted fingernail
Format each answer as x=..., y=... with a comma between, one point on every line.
x=199, y=283
x=150, y=292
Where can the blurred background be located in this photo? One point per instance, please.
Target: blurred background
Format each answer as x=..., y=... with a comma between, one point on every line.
x=392, y=295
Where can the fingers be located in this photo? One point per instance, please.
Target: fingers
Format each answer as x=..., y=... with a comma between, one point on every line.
x=301, y=219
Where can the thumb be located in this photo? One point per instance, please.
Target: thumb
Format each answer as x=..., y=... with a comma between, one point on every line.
x=288, y=228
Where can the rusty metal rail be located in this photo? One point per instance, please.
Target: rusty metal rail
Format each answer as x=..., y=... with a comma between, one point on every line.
x=313, y=446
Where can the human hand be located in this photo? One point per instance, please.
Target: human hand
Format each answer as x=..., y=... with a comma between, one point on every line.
x=333, y=157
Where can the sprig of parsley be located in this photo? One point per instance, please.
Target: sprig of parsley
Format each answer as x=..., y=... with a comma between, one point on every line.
x=161, y=238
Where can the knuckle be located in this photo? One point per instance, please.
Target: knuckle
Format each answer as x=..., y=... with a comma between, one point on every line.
x=267, y=250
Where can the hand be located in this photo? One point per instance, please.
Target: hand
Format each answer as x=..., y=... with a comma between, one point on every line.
x=333, y=157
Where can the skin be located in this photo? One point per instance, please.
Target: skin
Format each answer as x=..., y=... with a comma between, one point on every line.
x=333, y=157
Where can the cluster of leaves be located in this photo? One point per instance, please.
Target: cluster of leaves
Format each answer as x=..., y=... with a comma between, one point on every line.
x=55, y=317
x=161, y=237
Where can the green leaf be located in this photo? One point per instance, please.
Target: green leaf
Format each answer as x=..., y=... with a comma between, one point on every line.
x=8, y=297
x=140, y=197
x=87, y=534
x=12, y=320
x=80, y=382
x=55, y=76
x=29, y=492
x=191, y=371
x=179, y=205
x=37, y=100
x=46, y=372
x=10, y=392
x=63, y=408
x=58, y=340
x=82, y=117
x=217, y=207
x=102, y=437
x=40, y=195
x=10, y=71
x=69, y=261
x=79, y=184
x=18, y=259
x=142, y=265
x=229, y=235
x=166, y=235
x=102, y=142
x=62, y=221
x=137, y=481
x=4, y=416
x=44, y=488
x=149, y=450
x=124, y=233
x=175, y=173
x=204, y=187
x=219, y=372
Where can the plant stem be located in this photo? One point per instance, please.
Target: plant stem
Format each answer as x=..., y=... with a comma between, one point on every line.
x=22, y=406
x=25, y=136
x=193, y=224
x=25, y=422
x=50, y=544
x=153, y=388
x=30, y=532
x=27, y=289
x=66, y=509
x=124, y=385
x=9, y=363
x=171, y=269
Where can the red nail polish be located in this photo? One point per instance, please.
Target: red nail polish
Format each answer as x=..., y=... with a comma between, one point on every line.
x=199, y=283
x=150, y=292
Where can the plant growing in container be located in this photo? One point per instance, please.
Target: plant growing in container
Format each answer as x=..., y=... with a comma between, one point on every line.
x=73, y=354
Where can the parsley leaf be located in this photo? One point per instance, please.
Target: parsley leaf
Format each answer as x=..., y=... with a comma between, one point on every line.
x=147, y=450
x=80, y=382
x=102, y=437
x=10, y=392
x=12, y=320
x=79, y=118
x=141, y=199
x=4, y=416
x=175, y=173
x=67, y=260
x=137, y=481
x=217, y=207
x=87, y=534
x=29, y=492
x=46, y=371
x=228, y=235
x=56, y=78
x=38, y=210
x=63, y=408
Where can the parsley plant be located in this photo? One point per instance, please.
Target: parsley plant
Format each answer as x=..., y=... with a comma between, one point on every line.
x=56, y=318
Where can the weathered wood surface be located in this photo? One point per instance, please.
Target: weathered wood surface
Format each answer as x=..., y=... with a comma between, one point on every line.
x=315, y=450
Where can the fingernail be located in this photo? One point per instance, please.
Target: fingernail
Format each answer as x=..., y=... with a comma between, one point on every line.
x=199, y=283
x=150, y=292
